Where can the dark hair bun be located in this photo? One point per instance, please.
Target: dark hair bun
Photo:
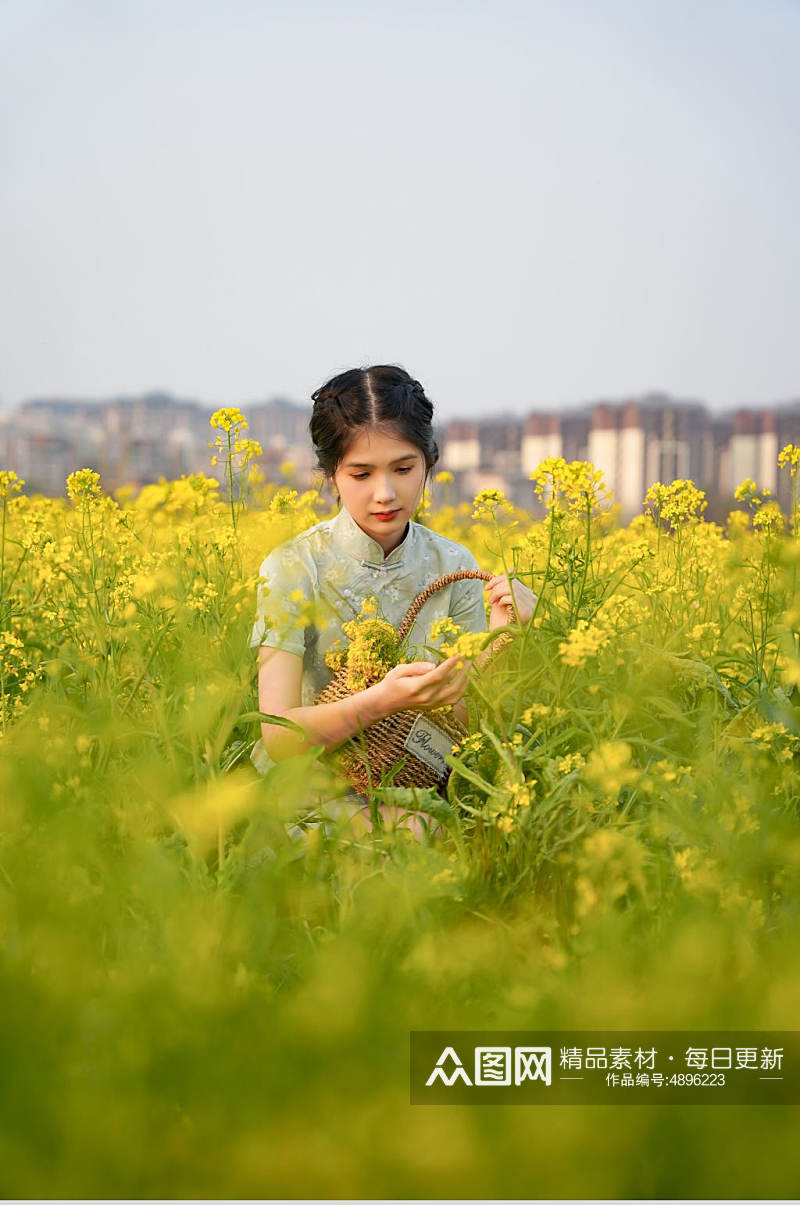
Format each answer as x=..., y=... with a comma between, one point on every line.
x=381, y=396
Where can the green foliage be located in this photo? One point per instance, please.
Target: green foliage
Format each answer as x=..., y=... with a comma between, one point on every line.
x=208, y=983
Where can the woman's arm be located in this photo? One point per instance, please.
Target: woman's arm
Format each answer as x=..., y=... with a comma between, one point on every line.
x=279, y=692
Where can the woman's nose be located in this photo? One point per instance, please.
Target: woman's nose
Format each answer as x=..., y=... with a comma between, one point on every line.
x=384, y=491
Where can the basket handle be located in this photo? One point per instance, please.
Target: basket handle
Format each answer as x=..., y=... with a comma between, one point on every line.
x=418, y=603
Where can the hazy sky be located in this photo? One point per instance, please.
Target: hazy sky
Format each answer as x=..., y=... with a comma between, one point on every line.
x=525, y=204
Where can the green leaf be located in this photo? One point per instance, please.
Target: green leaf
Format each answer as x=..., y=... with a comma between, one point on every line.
x=471, y=776
x=415, y=799
x=504, y=754
x=250, y=717
x=672, y=711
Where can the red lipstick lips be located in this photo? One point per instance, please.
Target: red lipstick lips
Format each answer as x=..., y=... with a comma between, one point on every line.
x=387, y=515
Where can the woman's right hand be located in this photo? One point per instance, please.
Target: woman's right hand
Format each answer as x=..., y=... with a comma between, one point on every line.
x=424, y=685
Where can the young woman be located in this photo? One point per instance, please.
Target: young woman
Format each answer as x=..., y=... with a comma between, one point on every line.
x=372, y=432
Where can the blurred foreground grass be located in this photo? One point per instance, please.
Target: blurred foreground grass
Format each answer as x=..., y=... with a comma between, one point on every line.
x=170, y=1033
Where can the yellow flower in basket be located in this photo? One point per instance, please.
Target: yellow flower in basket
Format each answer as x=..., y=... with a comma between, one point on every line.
x=373, y=649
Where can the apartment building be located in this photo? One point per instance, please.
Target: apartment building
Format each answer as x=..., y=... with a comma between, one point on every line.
x=486, y=455
x=641, y=441
x=635, y=442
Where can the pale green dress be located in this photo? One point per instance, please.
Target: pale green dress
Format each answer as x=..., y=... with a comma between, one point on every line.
x=325, y=572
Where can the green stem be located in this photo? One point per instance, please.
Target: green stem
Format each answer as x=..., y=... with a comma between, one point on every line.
x=794, y=536
x=505, y=564
x=15, y=574
x=3, y=559
x=765, y=608
x=162, y=632
x=230, y=480
x=547, y=563
x=587, y=555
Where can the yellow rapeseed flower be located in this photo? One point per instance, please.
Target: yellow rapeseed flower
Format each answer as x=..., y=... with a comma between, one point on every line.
x=246, y=450
x=229, y=418
x=704, y=638
x=487, y=502
x=745, y=490
x=83, y=484
x=572, y=761
x=789, y=456
x=423, y=506
x=10, y=483
x=769, y=518
x=283, y=501
x=609, y=767
x=611, y=863
x=583, y=642
x=369, y=606
x=578, y=482
x=468, y=644
x=766, y=735
x=445, y=626
x=698, y=872
x=676, y=503
x=372, y=652
x=790, y=672
x=471, y=744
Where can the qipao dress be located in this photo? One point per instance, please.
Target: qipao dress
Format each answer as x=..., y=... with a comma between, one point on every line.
x=314, y=583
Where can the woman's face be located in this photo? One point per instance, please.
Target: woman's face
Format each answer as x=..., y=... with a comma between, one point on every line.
x=380, y=481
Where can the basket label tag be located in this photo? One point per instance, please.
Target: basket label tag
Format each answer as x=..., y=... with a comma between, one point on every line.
x=429, y=744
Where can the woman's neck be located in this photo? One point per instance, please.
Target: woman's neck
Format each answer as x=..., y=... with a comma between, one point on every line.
x=389, y=543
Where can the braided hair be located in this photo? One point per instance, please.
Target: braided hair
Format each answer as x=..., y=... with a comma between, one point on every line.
x=384, y=397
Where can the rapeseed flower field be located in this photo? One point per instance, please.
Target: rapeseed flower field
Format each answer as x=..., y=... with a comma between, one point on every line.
x=196, y=1003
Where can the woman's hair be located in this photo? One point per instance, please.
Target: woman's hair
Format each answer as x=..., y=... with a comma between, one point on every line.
x=382, y=396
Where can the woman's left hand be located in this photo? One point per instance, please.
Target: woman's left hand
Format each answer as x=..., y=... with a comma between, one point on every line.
x=499, y=594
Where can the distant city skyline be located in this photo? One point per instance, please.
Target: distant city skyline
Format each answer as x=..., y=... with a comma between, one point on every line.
x=521, y=411
x=136, y=441
x=543, y=204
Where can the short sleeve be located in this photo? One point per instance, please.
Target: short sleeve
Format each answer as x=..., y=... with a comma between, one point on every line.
x=284, y=589
x=467, y=607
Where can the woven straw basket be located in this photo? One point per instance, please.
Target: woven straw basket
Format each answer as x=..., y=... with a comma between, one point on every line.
x=420, y=740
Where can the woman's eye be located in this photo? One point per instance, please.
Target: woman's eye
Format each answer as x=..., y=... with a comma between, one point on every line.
x=361, y=476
